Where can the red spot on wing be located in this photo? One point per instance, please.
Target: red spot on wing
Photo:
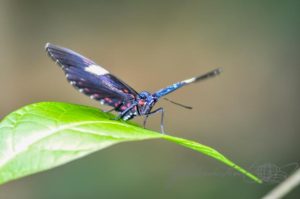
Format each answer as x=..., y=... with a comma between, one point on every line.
x=108, y=100
x=96, y=95
x=123, y=108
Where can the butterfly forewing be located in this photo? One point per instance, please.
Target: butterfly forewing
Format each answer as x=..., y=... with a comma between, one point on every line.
x=90, y=78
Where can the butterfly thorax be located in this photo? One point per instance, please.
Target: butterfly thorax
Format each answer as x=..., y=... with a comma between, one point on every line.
x=145, y=102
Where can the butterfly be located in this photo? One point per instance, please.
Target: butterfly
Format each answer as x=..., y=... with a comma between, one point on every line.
x=99, y=84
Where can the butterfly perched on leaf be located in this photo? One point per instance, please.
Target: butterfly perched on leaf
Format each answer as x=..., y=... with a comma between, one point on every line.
x=99, y=84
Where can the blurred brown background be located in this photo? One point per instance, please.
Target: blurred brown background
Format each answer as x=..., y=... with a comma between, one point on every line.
x=250, y=113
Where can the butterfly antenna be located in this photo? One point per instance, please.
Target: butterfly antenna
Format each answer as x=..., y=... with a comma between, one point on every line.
x=176, y=103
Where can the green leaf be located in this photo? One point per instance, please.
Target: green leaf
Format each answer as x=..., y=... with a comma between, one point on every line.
x=41, y=136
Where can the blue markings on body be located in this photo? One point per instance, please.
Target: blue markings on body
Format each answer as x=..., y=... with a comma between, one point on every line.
x=169, y=89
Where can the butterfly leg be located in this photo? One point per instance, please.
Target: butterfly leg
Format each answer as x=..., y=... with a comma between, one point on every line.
x=161, y=110
x=145, y=120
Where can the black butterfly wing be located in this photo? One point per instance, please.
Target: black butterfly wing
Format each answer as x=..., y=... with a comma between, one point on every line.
x=91, y=79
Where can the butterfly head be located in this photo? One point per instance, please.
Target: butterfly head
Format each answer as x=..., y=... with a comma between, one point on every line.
x=145, y=102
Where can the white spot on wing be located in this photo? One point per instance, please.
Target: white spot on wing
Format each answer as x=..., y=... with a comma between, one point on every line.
x=96, y=70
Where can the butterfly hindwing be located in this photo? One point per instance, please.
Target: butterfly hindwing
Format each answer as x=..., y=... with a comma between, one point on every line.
x=90, y=78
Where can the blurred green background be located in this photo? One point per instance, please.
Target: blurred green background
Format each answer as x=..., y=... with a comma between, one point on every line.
x=250, y=113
